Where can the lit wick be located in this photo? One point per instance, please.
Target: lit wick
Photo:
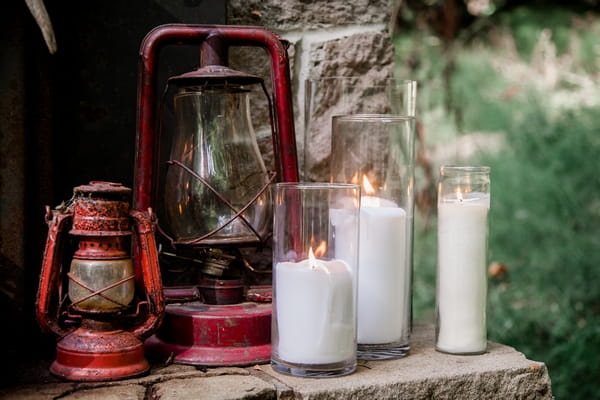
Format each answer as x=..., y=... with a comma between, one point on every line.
x=459, y=195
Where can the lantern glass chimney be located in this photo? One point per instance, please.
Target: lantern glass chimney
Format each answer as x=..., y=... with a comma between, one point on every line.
x=218, y=169
x=99, y=274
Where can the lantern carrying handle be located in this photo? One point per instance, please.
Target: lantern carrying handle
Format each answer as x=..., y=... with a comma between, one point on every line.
x=50, y=274
x=144, y=224
x=284, y=145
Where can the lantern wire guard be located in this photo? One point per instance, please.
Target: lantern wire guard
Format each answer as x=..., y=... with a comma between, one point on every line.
x=225, y=79
x=215, y=317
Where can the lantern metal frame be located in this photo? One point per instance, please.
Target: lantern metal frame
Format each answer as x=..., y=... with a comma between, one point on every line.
x=194, y=332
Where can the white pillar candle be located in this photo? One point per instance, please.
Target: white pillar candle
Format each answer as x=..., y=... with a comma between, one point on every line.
x=382, y=272
x=461, y=280
x=315, y=311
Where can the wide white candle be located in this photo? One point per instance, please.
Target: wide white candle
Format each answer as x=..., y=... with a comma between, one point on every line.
x=382, y=272
x=461, y=280
x=315, y=311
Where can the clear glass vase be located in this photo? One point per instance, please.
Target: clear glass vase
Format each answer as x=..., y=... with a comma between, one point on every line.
x=377, y=152
x=315, y=236
x=325, y=97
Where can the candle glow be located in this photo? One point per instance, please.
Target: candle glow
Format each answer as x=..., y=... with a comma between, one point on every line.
x=369, y=189
x=320, y=251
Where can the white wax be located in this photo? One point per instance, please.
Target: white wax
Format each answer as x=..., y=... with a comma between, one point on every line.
x=314, y=308
x=345, y=235
x=461, y=280
x=372, y=201
x=383, y=314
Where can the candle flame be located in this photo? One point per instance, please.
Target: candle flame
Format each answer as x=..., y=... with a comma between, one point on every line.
x=354, y=179
x=369, y=189
x=312, y=260
x=321, y=249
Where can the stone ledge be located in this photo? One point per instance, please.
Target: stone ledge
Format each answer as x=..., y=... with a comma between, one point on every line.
x=502, y=372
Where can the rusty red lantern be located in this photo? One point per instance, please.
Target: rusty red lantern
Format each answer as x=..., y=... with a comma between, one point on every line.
x=87, y=294
x=207, y=179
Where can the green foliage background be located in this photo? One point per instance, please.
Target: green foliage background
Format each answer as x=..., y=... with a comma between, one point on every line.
x=498, y=77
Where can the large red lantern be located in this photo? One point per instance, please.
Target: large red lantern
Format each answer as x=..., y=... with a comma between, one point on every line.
x=205, y=175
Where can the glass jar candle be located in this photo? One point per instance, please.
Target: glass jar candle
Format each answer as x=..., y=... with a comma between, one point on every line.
x=377, y=152
x=315, y=235
x=461, y=287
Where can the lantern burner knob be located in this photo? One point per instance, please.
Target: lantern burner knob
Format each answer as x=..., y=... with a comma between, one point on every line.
x=216, y=262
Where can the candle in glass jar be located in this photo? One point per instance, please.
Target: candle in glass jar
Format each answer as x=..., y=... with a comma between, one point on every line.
x=315, y=311
x=381, y=272
x=382, y=267
x=462, y=285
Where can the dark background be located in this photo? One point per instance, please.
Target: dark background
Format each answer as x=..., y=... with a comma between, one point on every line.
x=66, y=119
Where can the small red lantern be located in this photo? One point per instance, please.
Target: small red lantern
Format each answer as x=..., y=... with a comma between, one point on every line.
x=94, y=308
x=211, y=193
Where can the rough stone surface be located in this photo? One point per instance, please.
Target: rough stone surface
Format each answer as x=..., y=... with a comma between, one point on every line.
x=328, y=38
x=126, y=392
x=368, y=58
x=354, y=55
x=500, y=373
x=37, y=392
x=215, y=388
x=298, y=14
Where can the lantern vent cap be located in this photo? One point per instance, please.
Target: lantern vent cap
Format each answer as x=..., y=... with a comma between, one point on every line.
x=214, y=75
x=101, y=209
x=97, y=187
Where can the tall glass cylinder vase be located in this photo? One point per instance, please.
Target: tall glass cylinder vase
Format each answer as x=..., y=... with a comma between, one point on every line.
x=463, y=205
x=315, y=237
x=325, y=97
x=377, y=152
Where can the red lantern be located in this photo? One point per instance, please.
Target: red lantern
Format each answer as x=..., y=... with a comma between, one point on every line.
x=88, y=297
x=211, y=193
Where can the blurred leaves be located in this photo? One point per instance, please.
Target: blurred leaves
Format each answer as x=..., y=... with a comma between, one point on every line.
x=533, y=75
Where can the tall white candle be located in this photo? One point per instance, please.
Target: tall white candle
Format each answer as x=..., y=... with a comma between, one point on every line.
x=315, y=311
x=383, y=311
x=382, y=272
x=461, y=280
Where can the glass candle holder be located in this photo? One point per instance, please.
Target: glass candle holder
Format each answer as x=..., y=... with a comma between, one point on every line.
x=315, y=236
x=461, y=291
x=377, y=152
x=325, y=97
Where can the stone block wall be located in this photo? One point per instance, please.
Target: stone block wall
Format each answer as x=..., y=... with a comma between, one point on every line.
x=327, y=39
